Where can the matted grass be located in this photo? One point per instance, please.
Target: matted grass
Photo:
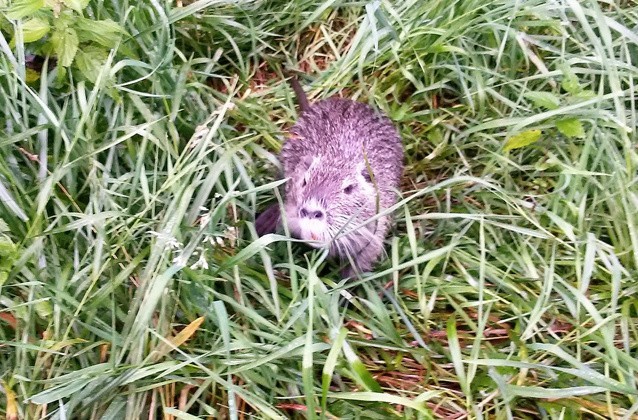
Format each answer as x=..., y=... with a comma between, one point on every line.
x=136, y=287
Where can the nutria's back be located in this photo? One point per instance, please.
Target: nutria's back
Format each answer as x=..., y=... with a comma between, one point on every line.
x=341, y=131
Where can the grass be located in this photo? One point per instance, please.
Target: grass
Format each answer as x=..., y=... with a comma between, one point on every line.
x=132, y=284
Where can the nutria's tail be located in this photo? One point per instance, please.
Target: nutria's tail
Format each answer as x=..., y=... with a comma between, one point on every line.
x=302, y=99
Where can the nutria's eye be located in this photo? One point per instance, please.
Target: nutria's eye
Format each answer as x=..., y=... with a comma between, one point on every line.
x=348, y=189
x=304, y=182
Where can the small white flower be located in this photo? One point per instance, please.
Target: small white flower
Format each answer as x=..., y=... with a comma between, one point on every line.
x=204, y=219
x=231, y=235
x=201, y=262
x=171, y=241
x=180, y=261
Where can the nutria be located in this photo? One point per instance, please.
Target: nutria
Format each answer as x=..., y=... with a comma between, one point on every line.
x=344, y=161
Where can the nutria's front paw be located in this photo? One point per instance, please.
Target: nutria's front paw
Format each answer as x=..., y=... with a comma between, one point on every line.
x=268, y=220
x=349, y=272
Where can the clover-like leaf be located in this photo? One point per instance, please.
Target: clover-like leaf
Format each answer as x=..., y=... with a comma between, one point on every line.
x=34, y=29
x=22, y=8
x=65, y=44
x=77, y=5
x=522, y=139
x=543, y=99
x=104, y=32
x=571, y=127
x=570, y=81
x=90, y=61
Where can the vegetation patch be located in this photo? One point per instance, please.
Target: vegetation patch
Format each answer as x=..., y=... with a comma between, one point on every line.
x=138, y=139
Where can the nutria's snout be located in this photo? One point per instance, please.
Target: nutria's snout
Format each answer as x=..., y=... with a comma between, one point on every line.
x=309, y=222
x=311, y=214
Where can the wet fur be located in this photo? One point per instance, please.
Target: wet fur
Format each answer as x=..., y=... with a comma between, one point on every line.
x=325, y=158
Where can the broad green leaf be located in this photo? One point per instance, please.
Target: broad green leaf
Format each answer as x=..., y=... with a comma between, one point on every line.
x=585, y=94
x=570, y=81
x=60, y=77
x=22, y=8
x=77, y=5
x=104, y=32
x=7, y=247
x=65, y=44
x=570, y=127
x=90, y=62
x=44, y=309
x=543, y=99
x=4, y=275
x=523, y=139
x=64, y=19
x=34, y=29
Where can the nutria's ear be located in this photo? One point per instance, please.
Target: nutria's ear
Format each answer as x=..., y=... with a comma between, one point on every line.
x=308, y=162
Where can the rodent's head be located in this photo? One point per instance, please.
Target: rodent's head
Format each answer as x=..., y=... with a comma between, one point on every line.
x=323, y=201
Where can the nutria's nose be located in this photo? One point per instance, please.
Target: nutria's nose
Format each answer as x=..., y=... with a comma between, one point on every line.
x=316, y=214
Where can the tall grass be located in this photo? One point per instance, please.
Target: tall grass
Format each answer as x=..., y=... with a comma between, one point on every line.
x=135, y=287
